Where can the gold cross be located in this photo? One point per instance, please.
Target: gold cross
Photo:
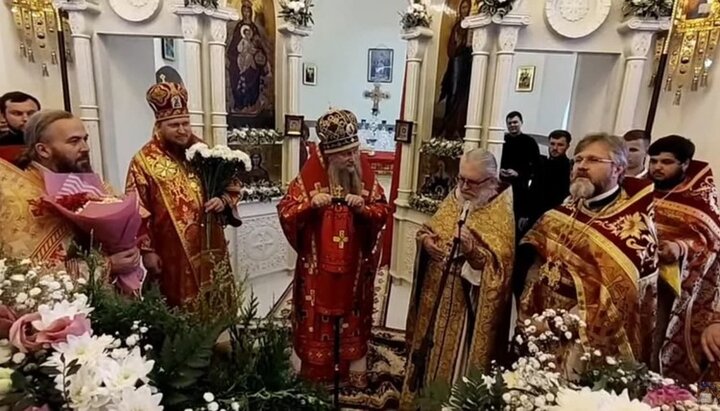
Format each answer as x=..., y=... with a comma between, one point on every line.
x=341, y=239
x=337, y=192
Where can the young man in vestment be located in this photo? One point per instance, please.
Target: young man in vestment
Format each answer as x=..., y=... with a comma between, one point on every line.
x=462, y=339
x=171, y=192
x=595, y=255
x=688, y=224
x=637, y=142
x=333, y=215
x=56, y=142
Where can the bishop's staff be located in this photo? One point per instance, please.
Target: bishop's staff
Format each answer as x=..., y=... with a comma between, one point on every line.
x=660, y=75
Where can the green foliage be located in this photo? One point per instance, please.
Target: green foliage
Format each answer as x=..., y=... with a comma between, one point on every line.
x=616, y=377
x=469, y=394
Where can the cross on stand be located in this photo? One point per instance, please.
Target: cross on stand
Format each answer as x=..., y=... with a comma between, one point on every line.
x=376, y=95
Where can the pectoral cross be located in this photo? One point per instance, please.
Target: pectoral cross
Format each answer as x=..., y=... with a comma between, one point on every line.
x=337, y=192
x=163, y=78
x=376, y=95
x=340, y=239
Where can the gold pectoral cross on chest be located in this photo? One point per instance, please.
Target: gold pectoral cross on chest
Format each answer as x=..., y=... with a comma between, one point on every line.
x=551, y=271
x=340, y=239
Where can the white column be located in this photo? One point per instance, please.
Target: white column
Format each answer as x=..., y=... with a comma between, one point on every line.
x=218, y=36
x=638, y=36
x=478, y=26
x=507, y=40
x=293, y=37
x=192, y=39
x=417, y=42
x=79, y=14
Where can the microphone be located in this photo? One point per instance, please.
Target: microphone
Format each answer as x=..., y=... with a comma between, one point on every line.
x=464, y=213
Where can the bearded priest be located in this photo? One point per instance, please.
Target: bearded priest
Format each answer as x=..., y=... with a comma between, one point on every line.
x=596, y=254
x=688, y=225
x=469, y=327
x=333, y=215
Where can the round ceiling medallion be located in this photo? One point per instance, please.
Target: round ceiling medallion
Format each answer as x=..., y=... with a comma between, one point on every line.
x=576, y=18
x=135, y=10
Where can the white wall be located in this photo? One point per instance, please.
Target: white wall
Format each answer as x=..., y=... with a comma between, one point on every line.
x=128, y=70
x=339, y=47
x=543, y=108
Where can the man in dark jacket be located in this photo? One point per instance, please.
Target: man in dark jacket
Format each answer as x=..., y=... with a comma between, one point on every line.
x=16, y=108
x=551, y=184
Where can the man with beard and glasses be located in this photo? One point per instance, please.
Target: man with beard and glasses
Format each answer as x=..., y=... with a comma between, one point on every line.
x=463, y=339
x=637, y=142
x=171, y=192
x=595, y=255
x=688, y=224
x=333, y=215
x=56, y=142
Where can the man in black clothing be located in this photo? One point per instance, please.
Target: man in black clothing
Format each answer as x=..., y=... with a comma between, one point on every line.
x=551, y=184
x=519, y=161
x=16, y=107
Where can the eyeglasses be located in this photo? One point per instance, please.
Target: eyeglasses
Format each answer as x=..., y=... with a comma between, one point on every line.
x=592, y=160
x=471, y=183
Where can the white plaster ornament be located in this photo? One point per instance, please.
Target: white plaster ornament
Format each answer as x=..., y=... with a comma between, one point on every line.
x=576, y=18
x=135, y=10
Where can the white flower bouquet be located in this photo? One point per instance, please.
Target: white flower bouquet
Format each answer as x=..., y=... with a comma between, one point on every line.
x=297, y=12
x=648, y=8
x=254, y=136
x=416, y=15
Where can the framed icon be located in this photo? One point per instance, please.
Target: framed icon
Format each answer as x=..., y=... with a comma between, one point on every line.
x=380, y=65
x=403, y=131
x=293, y=125
x=309, y=74
x=525, y=79
x=168, y=48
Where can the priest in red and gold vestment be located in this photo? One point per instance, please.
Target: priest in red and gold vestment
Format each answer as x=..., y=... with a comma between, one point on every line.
x=595, y=255
x=56, y=142
x=688, y=223
x=172, y=194
x=333, y=215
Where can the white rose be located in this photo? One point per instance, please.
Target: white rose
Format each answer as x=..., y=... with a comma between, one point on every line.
x=53, y=285
x=35, y=292
x=21, y=298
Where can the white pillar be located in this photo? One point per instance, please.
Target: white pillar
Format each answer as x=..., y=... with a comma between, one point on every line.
x=479, y=29
x=417, y=42
x=218, y=106
x=79, y=12
x=638, y=39
x=293, y=37
x=192, y=39
x=507, y=40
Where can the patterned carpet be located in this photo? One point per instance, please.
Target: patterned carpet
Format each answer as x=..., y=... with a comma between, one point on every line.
x=386, y=357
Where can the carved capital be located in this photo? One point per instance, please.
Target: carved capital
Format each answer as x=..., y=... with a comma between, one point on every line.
x=77, y=5
x=480, y=39
x=79, y=11
x=635, y=24
x=507, y=39
x=218, y=30
x=78, y=23
x=190, y=25
x=294, y=46
x=417, y=42
x=289, y=29
x=638, y=44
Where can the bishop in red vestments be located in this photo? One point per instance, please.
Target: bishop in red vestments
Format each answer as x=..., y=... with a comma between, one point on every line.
x=333, y=216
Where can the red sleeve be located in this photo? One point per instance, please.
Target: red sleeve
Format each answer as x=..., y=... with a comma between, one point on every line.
x=294, y=210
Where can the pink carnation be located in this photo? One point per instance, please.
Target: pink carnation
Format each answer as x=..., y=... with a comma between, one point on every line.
x=667, y=395
x=23, y=335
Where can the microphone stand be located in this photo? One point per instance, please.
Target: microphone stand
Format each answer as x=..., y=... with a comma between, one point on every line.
x=420, y=357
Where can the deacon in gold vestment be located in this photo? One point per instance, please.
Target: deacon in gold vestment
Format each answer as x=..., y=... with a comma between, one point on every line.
x=172, y=194
x=688, y=223
x=487, y=245
x=57, y=142
x=595, y=255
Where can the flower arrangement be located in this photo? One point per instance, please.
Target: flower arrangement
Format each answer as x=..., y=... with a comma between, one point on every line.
x=553, y=372
x=89, y=348
x=648, y=8
x=441, y=147
x=210, y=4
x=424, y=204
x=297, y=12
x=496, y=7
x=254, y=136
x=263, y=191
x=416, y=15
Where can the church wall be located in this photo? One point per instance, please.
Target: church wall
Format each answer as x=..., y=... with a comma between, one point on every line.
x=339, y=46
x=127, y=70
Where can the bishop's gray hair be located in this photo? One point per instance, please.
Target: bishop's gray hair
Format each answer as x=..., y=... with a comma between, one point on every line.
x=483, y=159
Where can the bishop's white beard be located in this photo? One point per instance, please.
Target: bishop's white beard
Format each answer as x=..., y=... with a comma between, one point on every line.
x=581, y=188
x=479, y=201
x=349, y=179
